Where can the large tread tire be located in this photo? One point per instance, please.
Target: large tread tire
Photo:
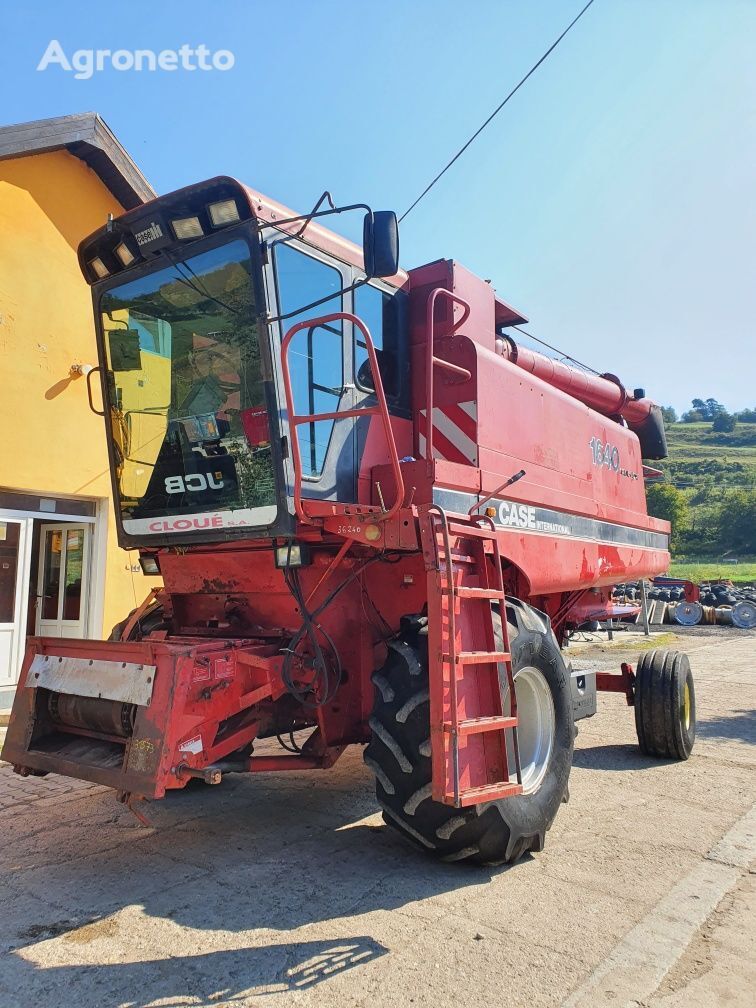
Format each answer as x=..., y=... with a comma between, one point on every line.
x=399, y=752
x=153, y=619
x=664, y=729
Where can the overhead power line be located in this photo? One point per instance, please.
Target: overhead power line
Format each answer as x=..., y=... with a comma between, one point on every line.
x=496, y=111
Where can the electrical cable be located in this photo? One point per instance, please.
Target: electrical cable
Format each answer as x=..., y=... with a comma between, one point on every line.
x=322, y=691
x=290, y=746
x=496, y=111
x=323, y=687
x=384, y=632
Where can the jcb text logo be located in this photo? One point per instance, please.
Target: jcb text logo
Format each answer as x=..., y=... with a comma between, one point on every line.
x=193, y=483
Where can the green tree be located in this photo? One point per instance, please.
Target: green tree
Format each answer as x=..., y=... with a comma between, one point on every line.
x=723, y=423
x=667, y=502
x=737, y=522
x=703, y=409
x=746, y=415
x=669, y=413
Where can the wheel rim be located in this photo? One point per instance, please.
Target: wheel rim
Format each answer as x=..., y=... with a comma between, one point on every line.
x=535, y=729
x=686, y=707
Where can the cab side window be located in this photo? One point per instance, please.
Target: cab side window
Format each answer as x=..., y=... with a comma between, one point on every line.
x=381, y=313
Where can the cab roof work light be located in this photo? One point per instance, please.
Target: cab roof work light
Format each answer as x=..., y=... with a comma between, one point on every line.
x=223, y=212
x=125, y=254
x=99, y=268
x=187, y=227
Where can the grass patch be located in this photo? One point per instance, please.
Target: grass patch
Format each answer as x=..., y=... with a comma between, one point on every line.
x=648, y=643
x=740, y=573
x=623, y=641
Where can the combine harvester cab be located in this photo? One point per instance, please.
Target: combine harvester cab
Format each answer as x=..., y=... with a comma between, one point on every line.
x=376, y=517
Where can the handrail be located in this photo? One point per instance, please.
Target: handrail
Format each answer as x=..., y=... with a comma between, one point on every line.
x=432, y=361
x=381, y=409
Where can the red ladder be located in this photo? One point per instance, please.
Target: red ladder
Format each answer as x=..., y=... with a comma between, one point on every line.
x=460, y=578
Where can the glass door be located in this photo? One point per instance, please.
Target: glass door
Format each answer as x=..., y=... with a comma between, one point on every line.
x=15, y=551
x=63, y=581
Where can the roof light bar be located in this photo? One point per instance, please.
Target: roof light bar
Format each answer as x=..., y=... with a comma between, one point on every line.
x=187, y=227
x=224, y=212
x=125, y=254
x=99, y=268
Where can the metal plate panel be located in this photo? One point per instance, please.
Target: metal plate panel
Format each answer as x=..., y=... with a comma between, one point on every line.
x=94, y=677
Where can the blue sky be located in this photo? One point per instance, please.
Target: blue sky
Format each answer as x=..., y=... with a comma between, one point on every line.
x=612, y=201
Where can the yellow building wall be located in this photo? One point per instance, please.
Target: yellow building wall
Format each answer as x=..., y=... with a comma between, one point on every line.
x=50, y=442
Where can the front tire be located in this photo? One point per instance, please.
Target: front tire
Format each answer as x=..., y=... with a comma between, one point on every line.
x=399, y=753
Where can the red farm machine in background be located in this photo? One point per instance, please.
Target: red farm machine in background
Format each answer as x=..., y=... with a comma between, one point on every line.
x=376, y=518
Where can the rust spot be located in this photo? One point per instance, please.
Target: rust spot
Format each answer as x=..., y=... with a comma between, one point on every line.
x=216, y=586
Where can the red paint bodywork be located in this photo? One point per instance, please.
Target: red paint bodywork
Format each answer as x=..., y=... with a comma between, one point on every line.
x=230, y=614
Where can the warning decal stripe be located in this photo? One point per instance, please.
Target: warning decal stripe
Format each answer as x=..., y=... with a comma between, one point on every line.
x=454, y=433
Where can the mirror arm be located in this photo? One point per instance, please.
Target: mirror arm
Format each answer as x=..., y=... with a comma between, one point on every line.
x=313, y=304
x=313, y=214
x=307, y=218
x=326, y=196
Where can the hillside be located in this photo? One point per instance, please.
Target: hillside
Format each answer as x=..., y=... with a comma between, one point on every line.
x=714, y=511
x=696, y=454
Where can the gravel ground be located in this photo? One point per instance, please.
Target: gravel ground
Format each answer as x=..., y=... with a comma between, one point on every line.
x=289, y=888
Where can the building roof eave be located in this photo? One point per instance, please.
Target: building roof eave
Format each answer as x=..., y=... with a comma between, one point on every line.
x=89, y=138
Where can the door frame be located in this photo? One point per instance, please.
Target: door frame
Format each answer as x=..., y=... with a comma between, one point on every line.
x=64, y=527
x=21, y=600
x=98, y=555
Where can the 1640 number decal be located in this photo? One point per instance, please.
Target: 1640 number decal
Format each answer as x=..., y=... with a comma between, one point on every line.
x=605, y=454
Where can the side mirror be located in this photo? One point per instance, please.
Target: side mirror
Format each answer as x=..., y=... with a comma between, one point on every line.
x=125, y=352
x=380, y=243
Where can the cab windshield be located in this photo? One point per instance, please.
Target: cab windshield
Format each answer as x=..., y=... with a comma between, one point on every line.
x=186, y=400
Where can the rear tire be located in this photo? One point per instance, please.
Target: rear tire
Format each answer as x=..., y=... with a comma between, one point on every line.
x=399, y=752
x=665, y=705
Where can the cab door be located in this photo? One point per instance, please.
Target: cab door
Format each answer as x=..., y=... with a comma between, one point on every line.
x=320, y=364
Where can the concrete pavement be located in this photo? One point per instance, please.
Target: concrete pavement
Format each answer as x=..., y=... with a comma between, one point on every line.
x=289, y=889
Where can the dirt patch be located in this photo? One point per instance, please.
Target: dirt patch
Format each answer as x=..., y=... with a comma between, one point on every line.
x=90, y=932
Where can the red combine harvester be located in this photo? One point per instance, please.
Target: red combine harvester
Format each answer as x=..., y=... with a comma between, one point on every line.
x=376, y=518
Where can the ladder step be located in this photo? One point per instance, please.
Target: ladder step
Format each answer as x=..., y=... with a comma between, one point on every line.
x=474, y=726
x=479, y=657
x=470, y=531
x=478, y=593
x=457, y=558
x=490, y=792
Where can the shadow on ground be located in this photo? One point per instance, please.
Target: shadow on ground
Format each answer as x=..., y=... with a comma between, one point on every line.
x=740, y=726
x=252, y=855
x=224, y=977
x=625, y=756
